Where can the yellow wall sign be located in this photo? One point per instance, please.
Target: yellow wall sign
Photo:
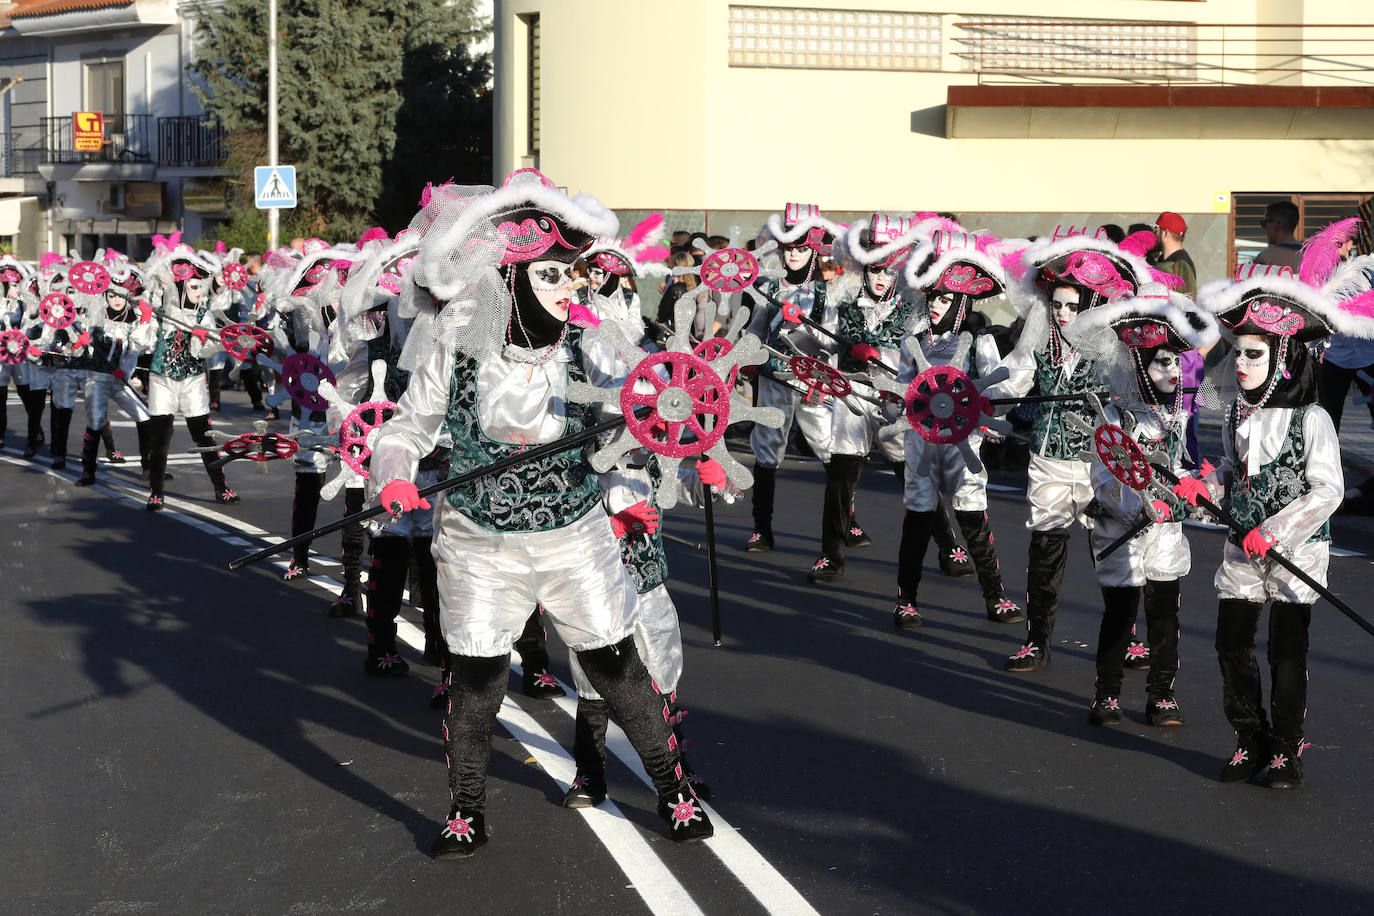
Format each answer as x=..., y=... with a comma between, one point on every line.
x=88, y=131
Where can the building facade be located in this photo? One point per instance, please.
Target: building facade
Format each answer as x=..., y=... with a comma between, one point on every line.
x=156, y=164
x=1018, y=115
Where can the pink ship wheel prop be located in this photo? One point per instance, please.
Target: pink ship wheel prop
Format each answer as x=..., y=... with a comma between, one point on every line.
x=89, y=277
x=943, y=405
x=356, y=427
x=820, y=379
x=714, y=348
x=301, y=373
x=57, y=311
x=245, y=342
x=235, y=276
x=14, y=345
x=691, y=392
x=729, y=270
x=255, y=447
x=1123, y=456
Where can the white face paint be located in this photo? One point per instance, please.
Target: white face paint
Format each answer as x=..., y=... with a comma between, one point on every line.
x=1165, y=370
x=196, y=288
x=796, y=258
x=879, y=280
x=1064, y=301
x=1252, y=361
x=939, y=307
x=552, y=282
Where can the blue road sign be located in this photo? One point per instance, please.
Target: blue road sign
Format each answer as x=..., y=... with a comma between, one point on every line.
x=274, y=186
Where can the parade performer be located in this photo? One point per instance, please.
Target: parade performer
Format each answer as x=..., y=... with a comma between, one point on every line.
x=952, y=271
x=58, y=329
x=873, y=318
x=181, y=283
x=1138, y=345
x=1282, y=471
x=1073, y=272
x=489, y=372
x=13, y=275
x=803, y=235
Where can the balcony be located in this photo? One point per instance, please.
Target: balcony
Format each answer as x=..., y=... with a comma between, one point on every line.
x=135, y=147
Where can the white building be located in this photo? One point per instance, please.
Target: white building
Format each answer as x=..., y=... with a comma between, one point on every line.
x=157, y=166
x=1015, y=114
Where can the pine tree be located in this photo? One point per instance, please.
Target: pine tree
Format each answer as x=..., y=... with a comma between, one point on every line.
x=350, y=76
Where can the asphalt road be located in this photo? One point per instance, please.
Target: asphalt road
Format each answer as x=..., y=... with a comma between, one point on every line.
x=183, y=739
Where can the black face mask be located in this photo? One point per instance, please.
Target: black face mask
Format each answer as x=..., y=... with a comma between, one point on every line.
x=802, y=274
x=609, y=285
x=530, y=325
x=1299, y=388
x=953, y=318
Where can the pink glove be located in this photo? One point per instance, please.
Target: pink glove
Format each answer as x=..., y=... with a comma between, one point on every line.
x=1162, y=511
x=200, y=334
x=582, y=316
x=641, y=518
x=1190, y=488
x=401, y=496
x=711, y=473
x=1207, y=469
x=864, y=352
x=1257, y=542
x=791, y=311
x=119, y=374
x=145, y=313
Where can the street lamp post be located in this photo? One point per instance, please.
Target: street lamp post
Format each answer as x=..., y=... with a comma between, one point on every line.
x=273, y=213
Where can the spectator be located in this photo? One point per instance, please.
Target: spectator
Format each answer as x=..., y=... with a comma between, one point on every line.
x=1170, y=230
x=683, y=284
x=1344, y=357
x=1280, y=222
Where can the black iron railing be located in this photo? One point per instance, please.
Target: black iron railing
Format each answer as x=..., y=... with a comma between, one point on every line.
x=190, y=141
x=128, y=138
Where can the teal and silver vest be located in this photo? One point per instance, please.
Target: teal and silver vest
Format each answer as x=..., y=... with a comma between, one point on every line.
x=1052, y=436
x=172, y=357
x=1278, y=483
x=643, y=553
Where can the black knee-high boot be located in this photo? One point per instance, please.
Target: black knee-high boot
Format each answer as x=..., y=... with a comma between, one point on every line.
x=532, y=645
x=111, y=449
x=159, y=442
x=1161, y=629
x=620, y=677
x=351, y=556
x=90, y=444
x=911, y=553
x=199, y=428
x=1119, y=607
x=304, y=510
x=836, y=520
x=35, y=400
x=854, y=534
x=765, y=486
x=249, y=376
x=1049, y=552
x=386, y=580
x=978, y=532
x=1241, y=693
x=589, y=752
x=214, y=380
x=479, y=686
x=61, y=425
x=4, y=412
x=954, y=559
x=676, y=715
x=424, y=590
x=1288, y=643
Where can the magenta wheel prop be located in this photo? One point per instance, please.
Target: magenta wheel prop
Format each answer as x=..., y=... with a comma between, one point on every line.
x=714, y=348
x=818, y=377
x=89, y=277
x=302, y=373
x=245, y=342
x=943, y=405
x=14, y=344
x=235, y=276
x=57, y=311
x=354, y=430
x=693, y=399
x=729, y=270
x=269, y=447
x=1123, y=456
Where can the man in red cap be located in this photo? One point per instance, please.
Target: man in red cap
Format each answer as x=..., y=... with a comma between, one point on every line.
x=1170, y=229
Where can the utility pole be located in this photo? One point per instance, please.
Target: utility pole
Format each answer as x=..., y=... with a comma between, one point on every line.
x=273, y=213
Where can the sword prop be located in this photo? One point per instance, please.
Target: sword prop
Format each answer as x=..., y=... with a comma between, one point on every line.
x=1141, y=524
x=817, y=326
x=711, y=581
x=1229, y=521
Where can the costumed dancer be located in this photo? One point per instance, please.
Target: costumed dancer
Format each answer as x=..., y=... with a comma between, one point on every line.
x=59, y=332
x=126, y=329
x=1282, y=471
x=803, y=235
x=874, y=318
x=489, y=372
x=182, y=284
x=1074, y=272
x=13, y=275
x=952, y=270
x=1138, y=344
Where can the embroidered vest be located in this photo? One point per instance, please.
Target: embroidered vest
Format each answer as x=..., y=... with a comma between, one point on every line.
x=887, y=335
x=643, y=553
x=772, y=288
x=541, y=495
x=1278, y=483
x=1052, y=436
x=172, y=357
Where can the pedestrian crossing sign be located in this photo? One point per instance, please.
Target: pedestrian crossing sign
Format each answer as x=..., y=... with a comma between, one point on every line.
x=274, y=186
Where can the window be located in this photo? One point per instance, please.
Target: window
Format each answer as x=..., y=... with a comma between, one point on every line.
x=1315, y=211
x=762, y=36
x=532, y=76
x=105, y=88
